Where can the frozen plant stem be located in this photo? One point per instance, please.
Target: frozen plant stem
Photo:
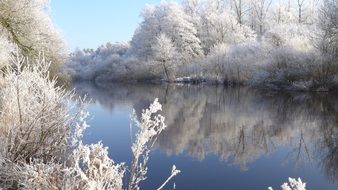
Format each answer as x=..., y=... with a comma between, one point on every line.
x=150, y=126
x=174, y=172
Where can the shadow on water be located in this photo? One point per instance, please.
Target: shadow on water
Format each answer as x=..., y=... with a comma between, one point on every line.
x=238, y=125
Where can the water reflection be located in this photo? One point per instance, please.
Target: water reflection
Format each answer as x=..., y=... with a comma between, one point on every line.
x=239, y=125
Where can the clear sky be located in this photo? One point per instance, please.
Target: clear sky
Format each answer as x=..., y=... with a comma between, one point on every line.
x=90, y=23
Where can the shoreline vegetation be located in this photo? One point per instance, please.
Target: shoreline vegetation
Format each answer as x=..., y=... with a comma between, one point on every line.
x=284, y=47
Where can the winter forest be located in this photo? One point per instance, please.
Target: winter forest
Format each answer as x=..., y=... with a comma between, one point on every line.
x=207, y=94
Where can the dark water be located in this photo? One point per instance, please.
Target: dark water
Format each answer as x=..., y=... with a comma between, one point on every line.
x=224, y=138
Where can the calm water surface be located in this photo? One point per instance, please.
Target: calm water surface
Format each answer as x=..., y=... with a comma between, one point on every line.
x=223, y=138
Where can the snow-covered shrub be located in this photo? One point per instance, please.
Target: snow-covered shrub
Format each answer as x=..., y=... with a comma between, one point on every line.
x=32, y=175
x=133, y=69
x=88, y=64
x=295, y=70
x=244, y=59
x=34, y=117
x=91, y=168
x=296, y=36
x=37, y=125
x=88, y=167
x=233, y=63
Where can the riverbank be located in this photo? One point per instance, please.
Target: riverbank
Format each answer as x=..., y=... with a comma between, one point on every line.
x=271, y=86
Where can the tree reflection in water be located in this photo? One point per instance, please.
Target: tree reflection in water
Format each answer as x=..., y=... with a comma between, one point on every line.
x=239, y=125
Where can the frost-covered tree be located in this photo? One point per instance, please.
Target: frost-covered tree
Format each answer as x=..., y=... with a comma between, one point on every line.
x=261, y=8
x=145, y=34
x=192, y=7
x=170, y=19
x=307, y=11
x=300, y=9
x=164, y=54
x=27, y=25
x=219, y=38
x=240, y=8
x=329, y=26
x=282, y=13
x=328, y=44
x=220, y=27
x=178, y=26
x=211, y=17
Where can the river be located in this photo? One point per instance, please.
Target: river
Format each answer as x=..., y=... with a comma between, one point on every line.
x=220, y=137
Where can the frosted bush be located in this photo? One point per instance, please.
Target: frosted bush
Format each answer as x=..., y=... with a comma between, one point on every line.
x=296, y=36
x=235, y=63
x=37, y=123
x=88, y=167
x=88, y=64
x=91, y=168
x=32, y=175
x=34, y=118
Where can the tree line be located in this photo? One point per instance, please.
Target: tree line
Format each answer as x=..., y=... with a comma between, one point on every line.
x=273, y=44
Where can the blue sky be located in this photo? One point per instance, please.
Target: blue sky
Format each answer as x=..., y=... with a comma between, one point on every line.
x=90, y=23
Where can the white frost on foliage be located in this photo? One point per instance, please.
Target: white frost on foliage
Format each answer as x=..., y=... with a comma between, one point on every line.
x=27, y=24
x=34, y=118
x=93, y=169
x=5, y=49
x=167, y=18
x=149, y=127
x=233, y=42
x=293, y=184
